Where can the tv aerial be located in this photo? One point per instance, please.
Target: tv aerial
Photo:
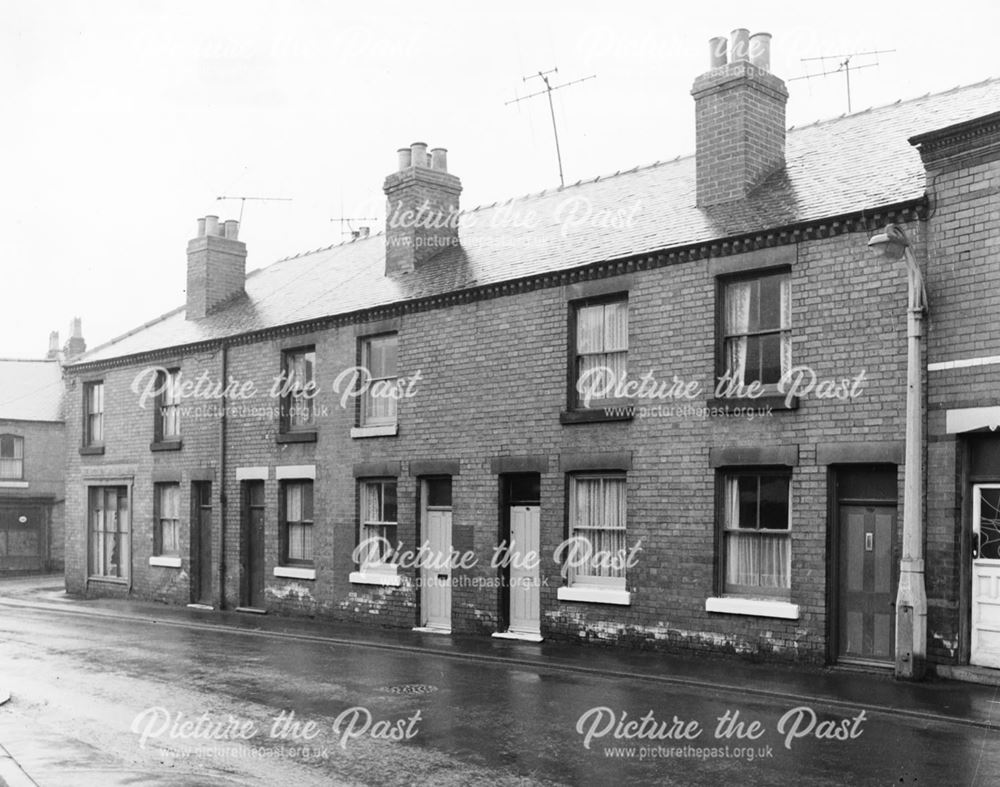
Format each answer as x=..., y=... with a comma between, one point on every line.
x=548, y=91
x=844, y=66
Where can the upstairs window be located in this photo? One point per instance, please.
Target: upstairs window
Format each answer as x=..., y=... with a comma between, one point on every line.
x=756, y=329
x=600, y=351
x=300, y=388
x=11, y=457
x=168, y=405
x=379, y=357
x=93, y=413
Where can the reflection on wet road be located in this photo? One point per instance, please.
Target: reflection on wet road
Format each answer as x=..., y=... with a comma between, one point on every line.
x=97, y=701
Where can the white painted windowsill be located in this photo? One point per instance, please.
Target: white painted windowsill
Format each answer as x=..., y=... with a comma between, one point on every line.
x=375, y=431
x=758, y=607
x=375, y=578
x=165, y=560
x=293, y=572
x=14, y=484
x=595, y=595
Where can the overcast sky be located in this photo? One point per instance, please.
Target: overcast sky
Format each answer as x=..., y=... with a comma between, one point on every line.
x=124, y=121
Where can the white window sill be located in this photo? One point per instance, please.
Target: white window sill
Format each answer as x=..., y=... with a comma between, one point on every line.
x=759, y=607
x=375, y=431
x=293, y=572
x=13, y=484
x=593, y=595
x=375, y=578
x=165, y=560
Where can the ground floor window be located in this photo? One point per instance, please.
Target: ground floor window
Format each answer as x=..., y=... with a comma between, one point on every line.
x=109, y=532
x=11, y=457
x=756, y=520
x=597, y=555
x=167, y=538
x=378, y=523
x=297, y=523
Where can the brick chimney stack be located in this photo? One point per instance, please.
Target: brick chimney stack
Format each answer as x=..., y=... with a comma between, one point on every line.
x=739, y=118
x=53, y=353
x=216, y=268
x=421, y=208
x=76, y=345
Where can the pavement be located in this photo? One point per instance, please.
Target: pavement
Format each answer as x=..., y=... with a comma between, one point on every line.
x=933, y=700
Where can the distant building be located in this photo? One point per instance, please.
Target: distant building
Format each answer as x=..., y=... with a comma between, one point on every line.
x=729, y=500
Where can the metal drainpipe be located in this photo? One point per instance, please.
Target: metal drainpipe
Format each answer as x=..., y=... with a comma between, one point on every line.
x=222, y=482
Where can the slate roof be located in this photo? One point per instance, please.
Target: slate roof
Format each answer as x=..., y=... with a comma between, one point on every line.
x=834, y=167
x=31, y=390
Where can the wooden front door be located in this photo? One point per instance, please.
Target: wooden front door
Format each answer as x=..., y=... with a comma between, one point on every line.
x=525, y=603
x=985, y=650
x=435, y=576
x=201, y=542
x=867, y=582
x=23, y=529
x=253, y=539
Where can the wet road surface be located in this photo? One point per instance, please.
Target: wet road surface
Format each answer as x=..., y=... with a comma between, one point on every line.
x=105, y=701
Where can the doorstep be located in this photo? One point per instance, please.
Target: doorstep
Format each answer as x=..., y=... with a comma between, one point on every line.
x=252, y=610
x=523, y=637
x=431, y=630
x=985, y=676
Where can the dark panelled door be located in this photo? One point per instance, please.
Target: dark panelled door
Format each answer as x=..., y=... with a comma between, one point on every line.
x=867, y=582
x=253, y=524
x=201, y=542
x=22, y=537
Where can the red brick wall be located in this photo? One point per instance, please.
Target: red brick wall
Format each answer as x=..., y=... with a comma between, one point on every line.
x=216, y=271
x=422, y=208
x=44, y=472
x=494, y=383
x=740, y=130
x=963, y=279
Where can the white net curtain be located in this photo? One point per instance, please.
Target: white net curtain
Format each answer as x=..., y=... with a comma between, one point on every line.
x=758, y=548
x=599, y=517
x=380, y=361
x=299, y=516
x=757, y=325
x=602, y=340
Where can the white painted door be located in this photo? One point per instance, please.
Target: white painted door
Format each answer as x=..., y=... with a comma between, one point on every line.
x=986, y=575
x=525, y=605
x=436, y=577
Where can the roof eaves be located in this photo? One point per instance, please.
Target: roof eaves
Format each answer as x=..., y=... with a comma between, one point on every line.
x=865, y=218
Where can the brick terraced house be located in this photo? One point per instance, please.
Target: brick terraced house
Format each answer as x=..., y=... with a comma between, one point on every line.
x=33, y=458
x=682, y=387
